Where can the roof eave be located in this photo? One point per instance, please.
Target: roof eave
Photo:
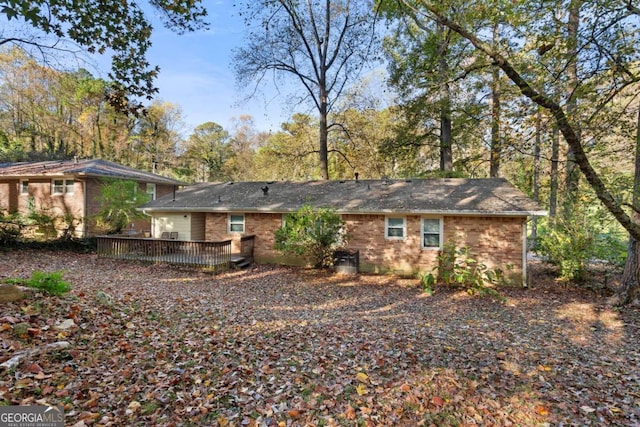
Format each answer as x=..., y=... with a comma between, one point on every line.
x=223, y=209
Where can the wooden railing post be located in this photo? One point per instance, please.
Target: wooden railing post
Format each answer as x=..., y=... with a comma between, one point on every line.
x=215, y=255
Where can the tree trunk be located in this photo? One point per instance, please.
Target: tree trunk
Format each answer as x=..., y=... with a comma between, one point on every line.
x=446, y=155
x=572, y=177
x=496, y=146
x=324, y=136
x=536, y=172
x=570, y=134
x=553, y=191
x=629, y=291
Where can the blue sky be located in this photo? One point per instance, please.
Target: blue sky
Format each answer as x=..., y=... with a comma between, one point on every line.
x=196, y=72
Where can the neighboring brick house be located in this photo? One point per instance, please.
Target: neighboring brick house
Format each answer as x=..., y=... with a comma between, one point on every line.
x=71, y=187
x=396, y=225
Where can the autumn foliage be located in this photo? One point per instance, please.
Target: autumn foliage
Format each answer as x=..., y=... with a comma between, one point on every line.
x=272, y=346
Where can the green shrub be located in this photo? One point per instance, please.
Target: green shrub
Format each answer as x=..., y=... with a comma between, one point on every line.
x=458, y=267
x=569, y=245
x=118, y=201
x=312, y=233
x=10, y=229
x=428, y=282
x=611, y=248
x=50, y=283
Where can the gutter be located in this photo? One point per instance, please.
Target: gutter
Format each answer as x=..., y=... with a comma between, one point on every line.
x=151, y=210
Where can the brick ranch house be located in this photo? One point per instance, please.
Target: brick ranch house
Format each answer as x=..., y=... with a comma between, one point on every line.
x=72, y=187
x=396, y=225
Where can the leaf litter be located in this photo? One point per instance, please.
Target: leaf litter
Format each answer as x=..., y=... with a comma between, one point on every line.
x=277, y=346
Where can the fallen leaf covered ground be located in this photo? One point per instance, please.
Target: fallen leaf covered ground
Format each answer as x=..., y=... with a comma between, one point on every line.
x=274, y=346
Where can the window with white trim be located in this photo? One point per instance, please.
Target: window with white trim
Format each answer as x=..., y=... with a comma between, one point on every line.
x=151, y=190
x=24, y=187
x=431, y=233
x=395, y=228
x=62, y=186
x=236, y=223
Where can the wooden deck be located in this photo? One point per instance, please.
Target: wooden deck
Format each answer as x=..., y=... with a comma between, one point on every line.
x=210, y=254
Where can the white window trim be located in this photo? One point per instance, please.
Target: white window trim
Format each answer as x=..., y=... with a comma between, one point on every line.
x=386, y=228
x=244, y=227
x=151, y=186
x=65, y=186
x=441, y=231
x=22, y=192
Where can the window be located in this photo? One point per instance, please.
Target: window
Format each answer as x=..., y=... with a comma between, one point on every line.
x=63, y=186
x=395, y=228
x=431, y=233
x=151, y=190
x=24, y=186
x=236, y=223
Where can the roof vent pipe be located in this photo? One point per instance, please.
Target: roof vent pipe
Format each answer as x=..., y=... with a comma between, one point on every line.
x=265, y=190
x=356, y=175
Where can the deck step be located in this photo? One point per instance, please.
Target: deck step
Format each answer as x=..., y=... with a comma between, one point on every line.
x=240, y=262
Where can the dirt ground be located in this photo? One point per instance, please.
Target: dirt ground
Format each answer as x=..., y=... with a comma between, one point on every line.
x=274, y=346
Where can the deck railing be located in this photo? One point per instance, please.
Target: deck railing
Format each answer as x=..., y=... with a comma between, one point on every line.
x=246, y=247
x=215, y=255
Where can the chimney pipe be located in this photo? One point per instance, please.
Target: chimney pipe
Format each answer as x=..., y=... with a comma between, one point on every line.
x=356, y=175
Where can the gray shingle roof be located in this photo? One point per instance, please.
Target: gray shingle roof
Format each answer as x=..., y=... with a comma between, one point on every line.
x=438, y=196
x=89, y=168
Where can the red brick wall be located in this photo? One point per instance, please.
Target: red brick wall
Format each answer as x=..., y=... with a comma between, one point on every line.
x=262, y=225
x=495, y=241
x=140, y=225
x=163, y=190
x=41, y=199
x=367, y=234
x=9, y=195
x=58, y=205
